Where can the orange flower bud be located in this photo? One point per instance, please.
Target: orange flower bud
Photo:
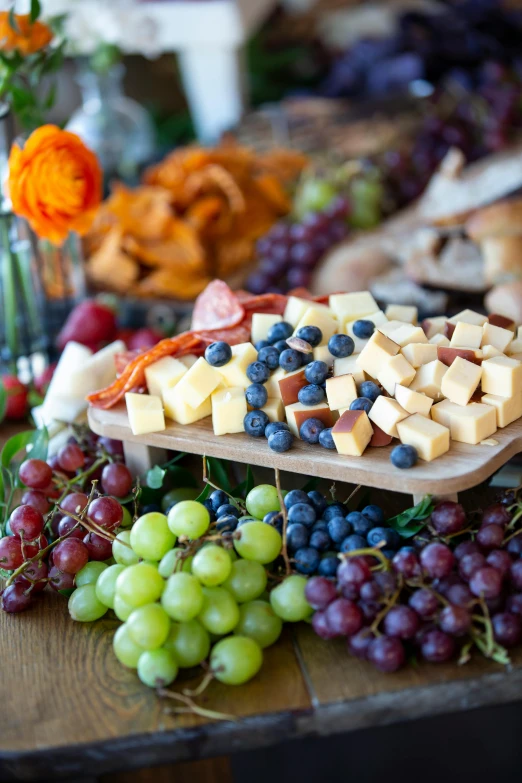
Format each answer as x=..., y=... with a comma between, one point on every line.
x=29, y=38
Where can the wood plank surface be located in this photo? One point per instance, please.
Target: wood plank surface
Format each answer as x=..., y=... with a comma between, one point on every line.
x=464, y=466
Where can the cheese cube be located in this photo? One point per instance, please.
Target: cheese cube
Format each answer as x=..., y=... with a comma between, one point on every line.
x=322, y=354
x=234, y=372
x=274, y=409
x=515, y=346
x=289, y=385
x=460, y=381
x=395, y=370
x=272, y=384
x=406, y=313
x=428, y=379
x=386, y=413
x=164, y=374
x=519, y=333
x=472, y=423
x=501, y=320
x=390, y=326
x=97, y=372
x=177, y=408
x=188, y=360
x=419, y=353
x=349, y=366
x=261, y=323
x=497, y=336
x=407, y=333
x=352, y=433
x=377, y=318
x=434, y=326
x=321, y=316
x=229, y=410
x=341, y=391
x=489, y=351
x=295, y=309
x=442, y=411
x=297, y=413
x=466, y=336
x=198, y=383
x=412, y=401
x=507, y=409
x=429, y=438
x=448, y=355
x=503, y=376
x=352, y=306
x=469, y=317
x=145, y=413
x=41, y=419
x=439, y=339
x=71, y=361
x=375, y=353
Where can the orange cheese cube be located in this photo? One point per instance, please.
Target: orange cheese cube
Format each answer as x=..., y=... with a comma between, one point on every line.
x=352, y=433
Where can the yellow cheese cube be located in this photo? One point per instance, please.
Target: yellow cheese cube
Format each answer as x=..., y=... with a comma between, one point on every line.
x=352, y=306
x=261, y=323
x=386, y=413
x=198, y=383
x=352, y=433
x=395, y=370
x=145, y=413
x=442, y=411
x=472, y=423
x=189, y=360
x=508, y=409
x=515, y=346
x=429, y=438
x=497, y=336
x=377, y=318
x=178, y=409
x=406, y=313
x=466, y=336
x=272, y=384
x=412, y=401
x=349, y=366
x=229, y=410
x=295, y=309
x=502, y=375
x=164, y=374
x=428, y=379
x=274, y=409
x=434, y=326
x=376, y=352
x=419, y=353
x=340, y=391
x=321, y=316
x=234, y=372
x=407, y=333
x=469, y=317
x=322, y=354
x=489, y=351
x=297, y=413
x=439, y=339
x=461, y=380
x=391, y=326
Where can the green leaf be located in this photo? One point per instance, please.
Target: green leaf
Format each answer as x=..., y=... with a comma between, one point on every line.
x=311, y=484
x=40, y=444
x=155, y=477
x=218, y=473
x=13, y=24
x=14, y=445
x=50, y=98
x=35, y=10
x=409, y=522
x=67, y=592
x=205, y=492
x=242, y=489
x=3, y=400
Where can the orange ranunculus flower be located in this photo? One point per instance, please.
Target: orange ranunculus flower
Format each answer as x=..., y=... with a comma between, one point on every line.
x=55, y=182
x=30, y=38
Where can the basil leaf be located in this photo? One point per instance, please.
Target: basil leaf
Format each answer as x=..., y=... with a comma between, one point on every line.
x=219, y=474
x=311, y=484
x=14, y=445
x=155, y=477
x=40, y=444
x=404, y=523
x=35, y=10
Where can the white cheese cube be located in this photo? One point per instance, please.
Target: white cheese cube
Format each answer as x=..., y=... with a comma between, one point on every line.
x=442, y=411
x=386, y=413
x=396, y=369
x=64, y=409
x=188, y=360
x=461, y=380
x=406, y=313
x=502, y=376
x=321, y=316
x=352, y=306
x=378, y=350
x=377, y=318
x=274, y=409
x=261, y=323
x=234, y=372
x=178, y=409
x=295, y=309
x=322, y=354
x=72, y=360
x=515, y=346
x=489, y=351
x=97, y=372
x=349, y=366
x=469, y=317
x=429, y=438
x=391, y=326
x=229, y=410
x=42, y=420
x=519, y=333
x=428, y=379
x=497, y=336
x=434, y=326
x=439, y=339
x=508, y=409
x=145, y=413
x=472, y=423
x=407, y=333
x=341, y=391
x=352, y=433
x=412, y=401
x=164, y=374
x=272, y=384
x=466, y=336
x=297, y=413
x=198, y=383
x=419, y=353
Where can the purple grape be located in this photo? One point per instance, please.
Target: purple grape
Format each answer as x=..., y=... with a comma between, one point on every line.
x=454, y=620
x=298, y=277
x=401, y=622
x=424, y=602
x=514, y=546
x=386, y=654
x=496, y=515
x=471, y=563
x=437, y=647
x=514, y=604
x=321, y=627
x=501, y=560
x=319, y=592
x=437, y=560
x=466, y=548
x=516, y=574
x=486, y=582
x=303, y=255
x=353, y=571
x=359, y=643
x=460, y=595
x=507, y=628
x=407, y=564
x=370, y=591
x=344, y=617
x=490, y=536
x=448, y=517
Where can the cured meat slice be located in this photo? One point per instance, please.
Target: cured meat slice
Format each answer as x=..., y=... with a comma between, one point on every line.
x=217, y=307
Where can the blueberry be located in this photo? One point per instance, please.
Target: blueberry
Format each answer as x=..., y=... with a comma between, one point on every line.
x=353, y=542
x=280, y=331
x=296, y=536
x=310, y=430
x=256, y=395
x=295, y=496
x=302, y=513
x=255, y=423
x=290, y=360
x=244, y=520
x=328, y=565
x=320, y=540
x=258, y=372
x=218, y=354
x=326, y=440
x=389, y=553
x=370, y=390
x=311, y=394
x=275, y=426
x=391, y=538
x=275, y=519
x=280, y=345
x=363, y=329
x=361, y=525
x=404, y=456
x=361, y=404
x=310, y=334
x=374, y=513
x=228, y=508
x=208, y=505
x=316, y=372
x=281, y=441
x=306, y=358
x=307, y=560
x=270, y=356
x=334, y=510
x=260, y=345
x=317, y=500
x=218, y=498
x=226, y=523
x=150, y=508
x=339, y=528
x=320, y=525
x=341, y=345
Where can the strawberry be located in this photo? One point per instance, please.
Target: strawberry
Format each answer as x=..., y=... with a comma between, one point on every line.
x=143, y=339
x=16, y=407
x=90, y=323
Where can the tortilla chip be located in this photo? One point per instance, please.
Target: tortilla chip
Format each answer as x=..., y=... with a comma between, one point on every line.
x=273, y=192
x=180, y=248
x=110, y=267
x=168, y=283
x=144, y=212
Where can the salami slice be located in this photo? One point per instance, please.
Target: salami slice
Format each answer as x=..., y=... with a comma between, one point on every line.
x=217, y=307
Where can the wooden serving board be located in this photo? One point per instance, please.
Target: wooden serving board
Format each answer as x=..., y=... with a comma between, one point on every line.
x=462, y=467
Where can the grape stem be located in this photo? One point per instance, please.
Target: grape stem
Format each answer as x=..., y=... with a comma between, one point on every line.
x=192, y=707
x=284, y=549
x=353, y=493
x=382, y=614
x=235, y=501
x=373, y=551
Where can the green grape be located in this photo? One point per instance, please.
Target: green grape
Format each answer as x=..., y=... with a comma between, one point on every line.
x=288, y=599
x=220, y=612
x=258, y=542
x=84, y=607
x=149, y=626
x=235, y=660
x=182, y=598
x=127, y=518
x=176, y=496
x=122, y=610
x=89, y=573
x=151, y=537
x=140, y=584
x=157, y=668
x=211, y=565
x=106, y=584
x=247, y=580
x=126, y=651
x=261, y=500
x=314, y=195
x=259, y=622
x=189, y=518
x=189, y=643
x=122, y=550
x=174, y=562
x=366, y=199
